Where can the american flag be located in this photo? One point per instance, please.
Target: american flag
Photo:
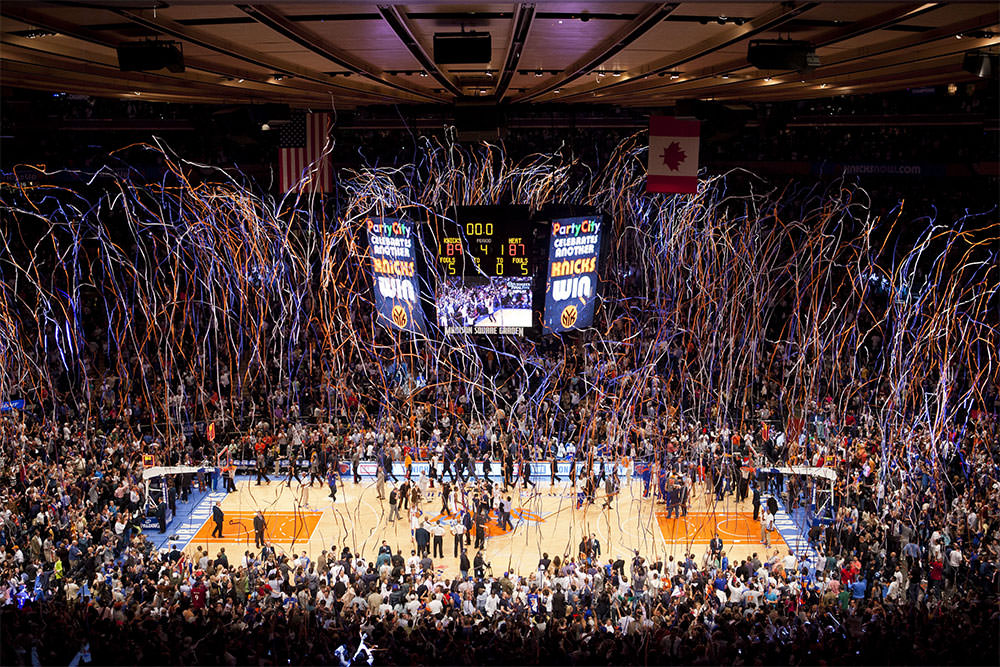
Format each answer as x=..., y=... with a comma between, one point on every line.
x=301, y=144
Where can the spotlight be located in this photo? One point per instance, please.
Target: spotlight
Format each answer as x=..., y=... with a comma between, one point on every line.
x=674, y=76
x=265, y=127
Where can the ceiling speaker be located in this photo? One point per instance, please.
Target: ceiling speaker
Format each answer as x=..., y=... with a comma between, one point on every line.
x=460, y=48
x=150, y=56
x=983, y=65
x=782, y=54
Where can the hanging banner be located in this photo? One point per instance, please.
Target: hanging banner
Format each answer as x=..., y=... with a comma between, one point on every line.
x=394, y=274
x=571, y=281
x=673, y=155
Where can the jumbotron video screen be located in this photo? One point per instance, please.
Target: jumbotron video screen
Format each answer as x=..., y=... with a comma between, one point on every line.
x=487, y=274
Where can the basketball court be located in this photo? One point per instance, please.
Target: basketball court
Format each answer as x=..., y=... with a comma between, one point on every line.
x=546, y=520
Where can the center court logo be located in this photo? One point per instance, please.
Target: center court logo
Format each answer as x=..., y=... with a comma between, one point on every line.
x=493, y=528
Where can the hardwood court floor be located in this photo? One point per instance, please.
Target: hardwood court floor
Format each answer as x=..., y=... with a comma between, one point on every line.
x=545, y=520
x=282, y=527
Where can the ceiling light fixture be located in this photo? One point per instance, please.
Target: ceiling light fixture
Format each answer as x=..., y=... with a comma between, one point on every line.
x=538, y=73
x=674, y=76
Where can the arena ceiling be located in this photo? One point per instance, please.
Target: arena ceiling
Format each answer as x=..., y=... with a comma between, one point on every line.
x=323, y=54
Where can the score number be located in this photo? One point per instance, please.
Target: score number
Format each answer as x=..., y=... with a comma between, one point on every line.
x=515, y=250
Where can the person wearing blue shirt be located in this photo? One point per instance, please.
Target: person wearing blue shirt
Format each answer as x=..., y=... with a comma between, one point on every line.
x=858, y=588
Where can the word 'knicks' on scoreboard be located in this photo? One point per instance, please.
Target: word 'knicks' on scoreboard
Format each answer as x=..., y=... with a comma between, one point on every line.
x=487, y=274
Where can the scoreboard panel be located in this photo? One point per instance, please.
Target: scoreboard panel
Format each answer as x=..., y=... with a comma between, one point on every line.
x=485, y=249
x=487, y=275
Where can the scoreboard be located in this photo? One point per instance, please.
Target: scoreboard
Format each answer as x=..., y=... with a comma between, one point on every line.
x=487, y=276
x=490, y=272
x=485, y=248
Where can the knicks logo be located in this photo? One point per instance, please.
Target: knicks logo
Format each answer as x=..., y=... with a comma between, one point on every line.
x=492, y=526
x=568, y=317
x=399, y=316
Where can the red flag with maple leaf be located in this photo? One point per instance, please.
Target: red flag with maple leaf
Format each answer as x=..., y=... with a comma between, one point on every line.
x=673, y=155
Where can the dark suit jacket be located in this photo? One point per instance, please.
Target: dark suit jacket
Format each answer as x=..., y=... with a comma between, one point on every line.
x=217, y=515
x=259, y=524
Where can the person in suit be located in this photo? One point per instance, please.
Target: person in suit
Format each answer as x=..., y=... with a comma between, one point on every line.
x=595, y=545
x=467, y=522
x=445, y=495
x=172, y=498
x=259, y=526
x=161, y=516
x=480, y=532
x=715, y=546
x=218, y=517
x=756, y=502
x=423, y=539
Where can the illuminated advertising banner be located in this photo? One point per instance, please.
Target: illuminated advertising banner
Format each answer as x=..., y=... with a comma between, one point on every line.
x=571, y=281
x=394, y=274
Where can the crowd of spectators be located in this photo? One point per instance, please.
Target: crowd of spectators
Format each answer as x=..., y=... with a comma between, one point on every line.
x=908, y=566
x=907, y=569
